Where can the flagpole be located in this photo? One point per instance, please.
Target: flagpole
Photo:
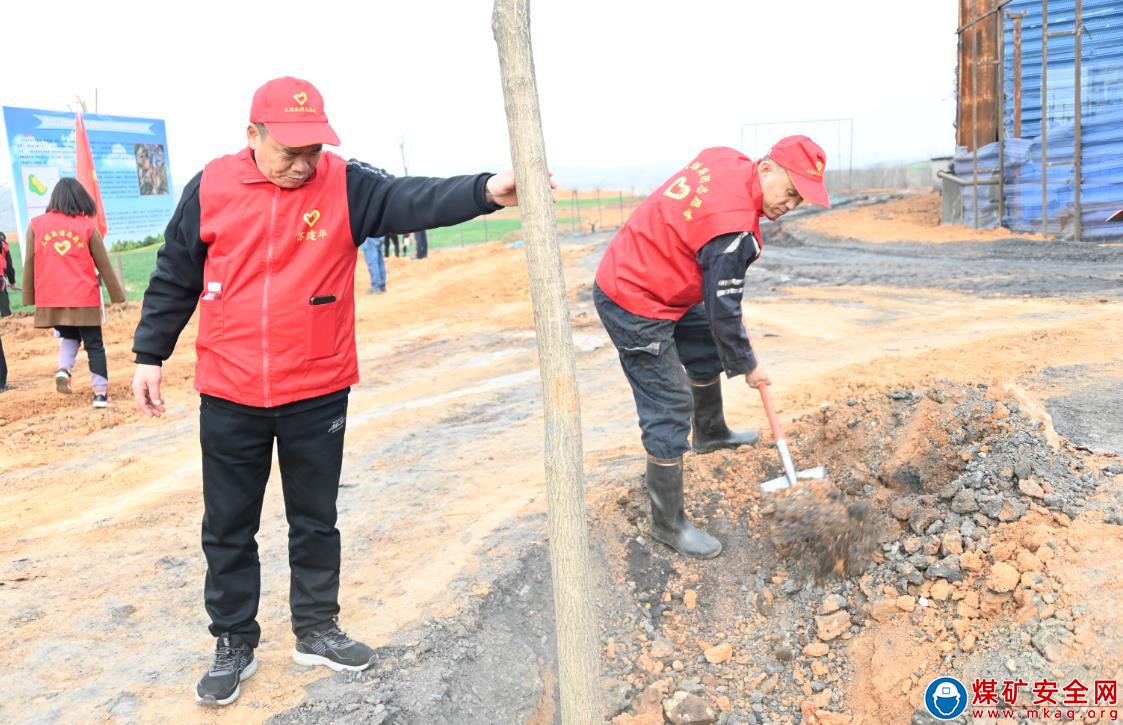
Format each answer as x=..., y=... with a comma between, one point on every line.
x=87, y=177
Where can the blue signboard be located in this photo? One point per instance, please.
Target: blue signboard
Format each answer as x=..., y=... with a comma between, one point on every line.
x=130, y=156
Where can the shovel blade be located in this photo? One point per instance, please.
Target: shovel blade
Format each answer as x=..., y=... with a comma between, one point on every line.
x=782, y=482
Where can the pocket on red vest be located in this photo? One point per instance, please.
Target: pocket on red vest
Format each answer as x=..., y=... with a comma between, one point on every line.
x=210, y=322
x=323, y=326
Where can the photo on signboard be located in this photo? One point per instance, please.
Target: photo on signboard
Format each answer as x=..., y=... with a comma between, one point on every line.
x=151, y=169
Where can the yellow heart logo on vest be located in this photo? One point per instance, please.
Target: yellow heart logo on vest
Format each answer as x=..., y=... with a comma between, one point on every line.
x=62, y=246
x=312, y=217
x=678, y=189
x=300, y=98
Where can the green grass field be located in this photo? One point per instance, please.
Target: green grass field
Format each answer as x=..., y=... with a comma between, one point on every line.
x=568, y=209
x=138, y=265
x=497, y=230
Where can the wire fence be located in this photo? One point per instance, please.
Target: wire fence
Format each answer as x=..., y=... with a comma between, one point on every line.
x=577, y=212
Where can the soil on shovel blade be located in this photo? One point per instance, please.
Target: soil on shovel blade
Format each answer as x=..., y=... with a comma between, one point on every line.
x=813, y=521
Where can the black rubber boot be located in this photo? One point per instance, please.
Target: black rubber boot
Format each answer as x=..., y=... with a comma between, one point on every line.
x=710, y=431
x=669, y=524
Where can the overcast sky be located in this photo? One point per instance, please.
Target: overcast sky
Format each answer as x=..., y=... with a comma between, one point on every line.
x=629, y=89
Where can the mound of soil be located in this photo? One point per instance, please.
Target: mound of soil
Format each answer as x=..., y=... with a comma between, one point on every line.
x=909, y=537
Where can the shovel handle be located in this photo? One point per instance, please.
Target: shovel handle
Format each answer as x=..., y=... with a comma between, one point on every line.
x=773, y=421
x=777, y=434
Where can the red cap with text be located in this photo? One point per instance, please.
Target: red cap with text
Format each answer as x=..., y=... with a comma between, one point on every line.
x=805, y=162
x=293, y=112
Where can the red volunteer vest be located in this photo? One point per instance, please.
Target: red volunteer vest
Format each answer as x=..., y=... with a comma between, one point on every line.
x=3, y=259
x=277, y=312
x=65, y=273
x=650, y=267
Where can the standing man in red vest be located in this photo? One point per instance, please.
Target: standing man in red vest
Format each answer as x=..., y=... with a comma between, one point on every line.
x=265, y=242
x=669, y=294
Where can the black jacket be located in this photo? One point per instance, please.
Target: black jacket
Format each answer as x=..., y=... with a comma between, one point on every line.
x=9, y=267
x=378, y=204
x=725, y=260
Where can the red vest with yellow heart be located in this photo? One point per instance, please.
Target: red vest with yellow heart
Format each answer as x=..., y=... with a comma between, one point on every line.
x=65, y=274
x=650, y=267
x=277, y=311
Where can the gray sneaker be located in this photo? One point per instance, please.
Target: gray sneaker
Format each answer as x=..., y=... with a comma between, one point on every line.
x=330, y=647
x=232, y=665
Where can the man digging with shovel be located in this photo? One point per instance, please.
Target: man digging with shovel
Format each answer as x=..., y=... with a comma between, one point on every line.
x=668, y=292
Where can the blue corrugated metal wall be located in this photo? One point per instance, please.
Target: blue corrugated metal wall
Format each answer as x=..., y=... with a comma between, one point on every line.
x=1101, y=124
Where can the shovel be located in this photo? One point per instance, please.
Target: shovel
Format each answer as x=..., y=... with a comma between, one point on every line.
x=790, y=474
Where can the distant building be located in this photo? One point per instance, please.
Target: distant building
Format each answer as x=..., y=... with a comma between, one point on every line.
x=1013, y=169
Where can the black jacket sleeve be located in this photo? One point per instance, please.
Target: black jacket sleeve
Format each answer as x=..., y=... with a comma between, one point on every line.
x=382, y=204
x=377, y=202
x=175, y=285
x=725, y=260
x=9, y=268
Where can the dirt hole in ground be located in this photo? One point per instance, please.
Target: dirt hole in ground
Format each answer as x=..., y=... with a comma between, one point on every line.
x=890, y=459
x=925, y=480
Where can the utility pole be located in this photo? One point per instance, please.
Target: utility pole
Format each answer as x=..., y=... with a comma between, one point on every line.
x=402, y=149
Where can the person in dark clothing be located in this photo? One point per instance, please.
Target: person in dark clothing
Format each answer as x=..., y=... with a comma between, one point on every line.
x=421, y=244
x=7, y=275
x=7, y=279
x=668, y=292
x=391, y=240
x=265, y=242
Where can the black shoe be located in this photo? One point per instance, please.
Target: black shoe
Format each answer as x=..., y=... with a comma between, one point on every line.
x=233, y=663
x=708, y=422
x=669, y=524
x=101, y=400
x=330, y=647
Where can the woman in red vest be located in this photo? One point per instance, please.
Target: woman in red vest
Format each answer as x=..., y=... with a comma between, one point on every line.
x=64, y=256
x=7, y=277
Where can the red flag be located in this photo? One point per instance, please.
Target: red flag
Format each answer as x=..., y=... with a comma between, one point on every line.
x=87, y=176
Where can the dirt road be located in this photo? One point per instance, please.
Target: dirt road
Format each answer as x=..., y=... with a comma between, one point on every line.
x=441, y=506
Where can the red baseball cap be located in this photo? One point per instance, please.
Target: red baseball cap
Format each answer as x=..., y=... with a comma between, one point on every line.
x=293, y=111
x=1116, y=217
x=805, y=161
